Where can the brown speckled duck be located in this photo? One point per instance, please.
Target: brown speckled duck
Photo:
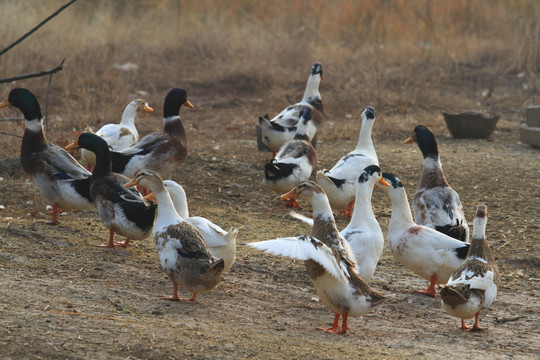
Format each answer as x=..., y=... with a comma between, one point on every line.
x=294, y=162
x=435, y=203
x=57, y=175
x=184, y=255
x=329, y=261
x=160, y=151
x=473, y=286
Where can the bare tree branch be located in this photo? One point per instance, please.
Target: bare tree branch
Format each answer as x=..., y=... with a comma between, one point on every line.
x=36, y=27
x=32, y=75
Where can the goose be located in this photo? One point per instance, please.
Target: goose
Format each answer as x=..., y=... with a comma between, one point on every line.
x=122, y=135
x=339, y=182
x=329, y=261
x=56, y=174
x=280, y=129
x=427, y=252
x=159, y=151
x=294, y=162
x=122, y=211
x=435, y=203
x=473, y=286
x=220, y=243
x=183, y=254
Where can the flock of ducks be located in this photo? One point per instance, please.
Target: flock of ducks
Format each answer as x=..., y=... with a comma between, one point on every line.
x=126, y=186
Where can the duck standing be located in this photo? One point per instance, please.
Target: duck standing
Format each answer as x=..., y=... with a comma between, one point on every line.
x=122, y=211
x=122, y=135
x=427, y=252
x=294, y=162
x=159, y=151
x=339, y=182
x=184, y=255
x=280, y=129
x=435, y=203
x=329, y=261
x=57, y=175
x=473, y=286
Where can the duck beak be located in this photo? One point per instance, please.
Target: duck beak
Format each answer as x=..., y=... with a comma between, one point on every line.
x=410, y=140
x=188, y=104
x=293, y=194
x=72, y=146
x=5, y=103
x=322, y=76
x=382, y=182
x=150, y=196
x=147, y=109
x=131, y=183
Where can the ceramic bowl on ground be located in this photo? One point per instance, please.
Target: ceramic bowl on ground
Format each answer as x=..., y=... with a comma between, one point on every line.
x=470, y=124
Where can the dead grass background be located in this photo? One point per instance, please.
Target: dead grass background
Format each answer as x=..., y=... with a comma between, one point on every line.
x=409, y=59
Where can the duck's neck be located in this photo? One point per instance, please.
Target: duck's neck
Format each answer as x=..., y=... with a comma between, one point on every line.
x=364, y=139
x=401, y=212
x=432, y=173
x=173, y=126
x=363, y=212
x=166, y=212
x=312, y=89
x=479, y=246
x=181, y=206
x=324, y=225
x=103, y=165
x=301, y=130
x=128, y=116
x=34, y=137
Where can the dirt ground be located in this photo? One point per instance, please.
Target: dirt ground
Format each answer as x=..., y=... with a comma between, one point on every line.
x=62, y=297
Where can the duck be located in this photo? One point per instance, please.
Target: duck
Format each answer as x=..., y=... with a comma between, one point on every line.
x=57, y=175
x=329, y=261
x=473, y=286
x=363, y=232
x=122, y=135
x=339, y=182
x=220, y=243
x=435, y=203
x=294, y=162
x=159, y=151
x=182, y=251
x=122, y=211
x=275, y=132
x=427, y=252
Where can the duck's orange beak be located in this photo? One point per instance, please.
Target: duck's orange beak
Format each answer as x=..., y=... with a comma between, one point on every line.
x=150, y=196
x=72, y=146
x=382, y=182
x=147, y=109
x=5, y=103
x=291, y=195
x=410, y=140
x=131, y=183
x=188, y=104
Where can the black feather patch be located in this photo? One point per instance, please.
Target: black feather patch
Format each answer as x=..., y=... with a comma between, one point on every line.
x=274, y=170
x=462, y=251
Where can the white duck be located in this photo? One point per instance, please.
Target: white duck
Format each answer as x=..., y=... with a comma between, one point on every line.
x=221, y=243
x=122, y=135
x=294, y=162
x=182, y=251
x=435, y=203
x=363, y=233
x=473, y=286
x=427, y=252
x=339, y=182
x=329, y=261
x=275, y=132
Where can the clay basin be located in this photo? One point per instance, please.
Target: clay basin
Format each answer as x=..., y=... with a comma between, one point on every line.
x=470, y=124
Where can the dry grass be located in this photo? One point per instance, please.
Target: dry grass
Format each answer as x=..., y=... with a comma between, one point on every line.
x=409, y=59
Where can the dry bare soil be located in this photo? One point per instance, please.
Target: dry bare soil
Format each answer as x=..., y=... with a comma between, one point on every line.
x=62, y=297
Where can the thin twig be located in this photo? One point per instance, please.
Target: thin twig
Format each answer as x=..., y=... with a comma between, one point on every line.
x=507, y=319
x=18, y=41
x=5, y=133
x=32, y=75
x=89, y=315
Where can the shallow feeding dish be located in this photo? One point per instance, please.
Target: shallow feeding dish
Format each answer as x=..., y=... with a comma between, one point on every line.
x=470, y=124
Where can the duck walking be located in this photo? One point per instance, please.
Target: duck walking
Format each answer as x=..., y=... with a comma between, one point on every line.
x=329, y=261
x=184, y=255
x=339, y=182
x=427, y=252
x=435, y=203
x=122, y=211
x=159, y=151
x=473, y=286
x=294, y=162
x=57, y=175
x=280, y=129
